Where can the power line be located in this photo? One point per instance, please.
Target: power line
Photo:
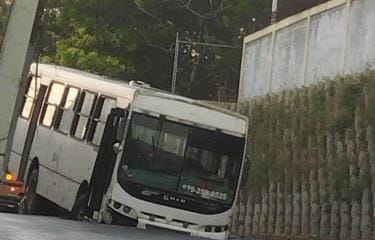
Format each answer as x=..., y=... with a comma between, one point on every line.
x=176, y=53
x=208, y=44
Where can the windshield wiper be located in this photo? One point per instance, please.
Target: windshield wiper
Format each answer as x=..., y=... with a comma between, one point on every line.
x=156, y=137
x=153, y=143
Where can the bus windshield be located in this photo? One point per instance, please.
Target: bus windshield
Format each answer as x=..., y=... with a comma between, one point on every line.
x=181, y=159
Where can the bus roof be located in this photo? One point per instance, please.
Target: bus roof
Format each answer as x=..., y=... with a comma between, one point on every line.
x=111, y=86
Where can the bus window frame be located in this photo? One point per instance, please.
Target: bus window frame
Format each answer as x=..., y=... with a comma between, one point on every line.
x=45, y=105
x=61, y=110
x=76, y=111
x=78, y=114
x=25, y=96
x=91, y=132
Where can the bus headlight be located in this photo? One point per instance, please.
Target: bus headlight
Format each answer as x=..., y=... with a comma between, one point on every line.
x=126, y=209
x=116, y=205
x=122, y=209
x=218, y=229
x=208, y=229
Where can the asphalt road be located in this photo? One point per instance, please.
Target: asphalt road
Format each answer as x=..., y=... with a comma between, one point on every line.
x=23, y=227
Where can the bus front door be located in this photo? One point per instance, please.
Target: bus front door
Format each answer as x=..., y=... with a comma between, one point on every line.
x=105, y=160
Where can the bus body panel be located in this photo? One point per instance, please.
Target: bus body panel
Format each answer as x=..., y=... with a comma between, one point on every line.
x=20, y=135
x=18, y=144
x=83, y=80
x=68, y=189
x=141, y=207
x=14, y=162
x=191, y=113
x=41, y=148
x=65, y=162
x=74, y=163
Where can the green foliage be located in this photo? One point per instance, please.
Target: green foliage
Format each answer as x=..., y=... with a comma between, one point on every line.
x=318, y=107
x=367, y=79
x=134, y=39
x=340, y=176
x=295, y=133
x=348, y=92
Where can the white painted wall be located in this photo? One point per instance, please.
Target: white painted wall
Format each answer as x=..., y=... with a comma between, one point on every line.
x=325, y=44
x=361, y=39
x=288, y=57
x=255, y=66
x=337, y=37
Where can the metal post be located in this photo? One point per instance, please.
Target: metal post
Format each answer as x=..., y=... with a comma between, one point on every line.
x=176, y=52
x=175, y=64
x=14, y=66
x=274, y=12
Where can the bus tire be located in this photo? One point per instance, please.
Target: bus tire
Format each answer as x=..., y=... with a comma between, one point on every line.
x=79, y=208
x=31, y=197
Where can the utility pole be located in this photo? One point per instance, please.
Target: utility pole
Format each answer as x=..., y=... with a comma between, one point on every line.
x=175, y=64
x=274, y=12
x=15, y=59
x=176, y=54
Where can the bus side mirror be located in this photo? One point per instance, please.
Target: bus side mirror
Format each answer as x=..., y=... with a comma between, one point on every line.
x=120, y=131
x=121, y=127
x=245, y=172
x=117, y=147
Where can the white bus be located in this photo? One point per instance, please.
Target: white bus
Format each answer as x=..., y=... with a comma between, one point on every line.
x=123, y=153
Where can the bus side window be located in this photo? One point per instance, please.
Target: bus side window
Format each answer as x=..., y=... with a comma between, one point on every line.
x=102, y=111
x=84, y=114
x=55, y=95
x=30, y=97
x=66, y=113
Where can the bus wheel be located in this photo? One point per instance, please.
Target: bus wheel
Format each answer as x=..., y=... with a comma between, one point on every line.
x=79, y=208
x=31, y=195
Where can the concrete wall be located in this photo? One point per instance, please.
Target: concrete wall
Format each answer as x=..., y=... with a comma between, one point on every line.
x=312, y=173
x=337, y=37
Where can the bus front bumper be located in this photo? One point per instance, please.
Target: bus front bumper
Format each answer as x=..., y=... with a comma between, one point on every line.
x=143, y=223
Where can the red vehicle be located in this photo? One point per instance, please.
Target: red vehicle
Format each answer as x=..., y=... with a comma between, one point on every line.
x=12, y=193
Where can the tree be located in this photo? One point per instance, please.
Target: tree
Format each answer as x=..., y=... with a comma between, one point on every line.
x=134, y=39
